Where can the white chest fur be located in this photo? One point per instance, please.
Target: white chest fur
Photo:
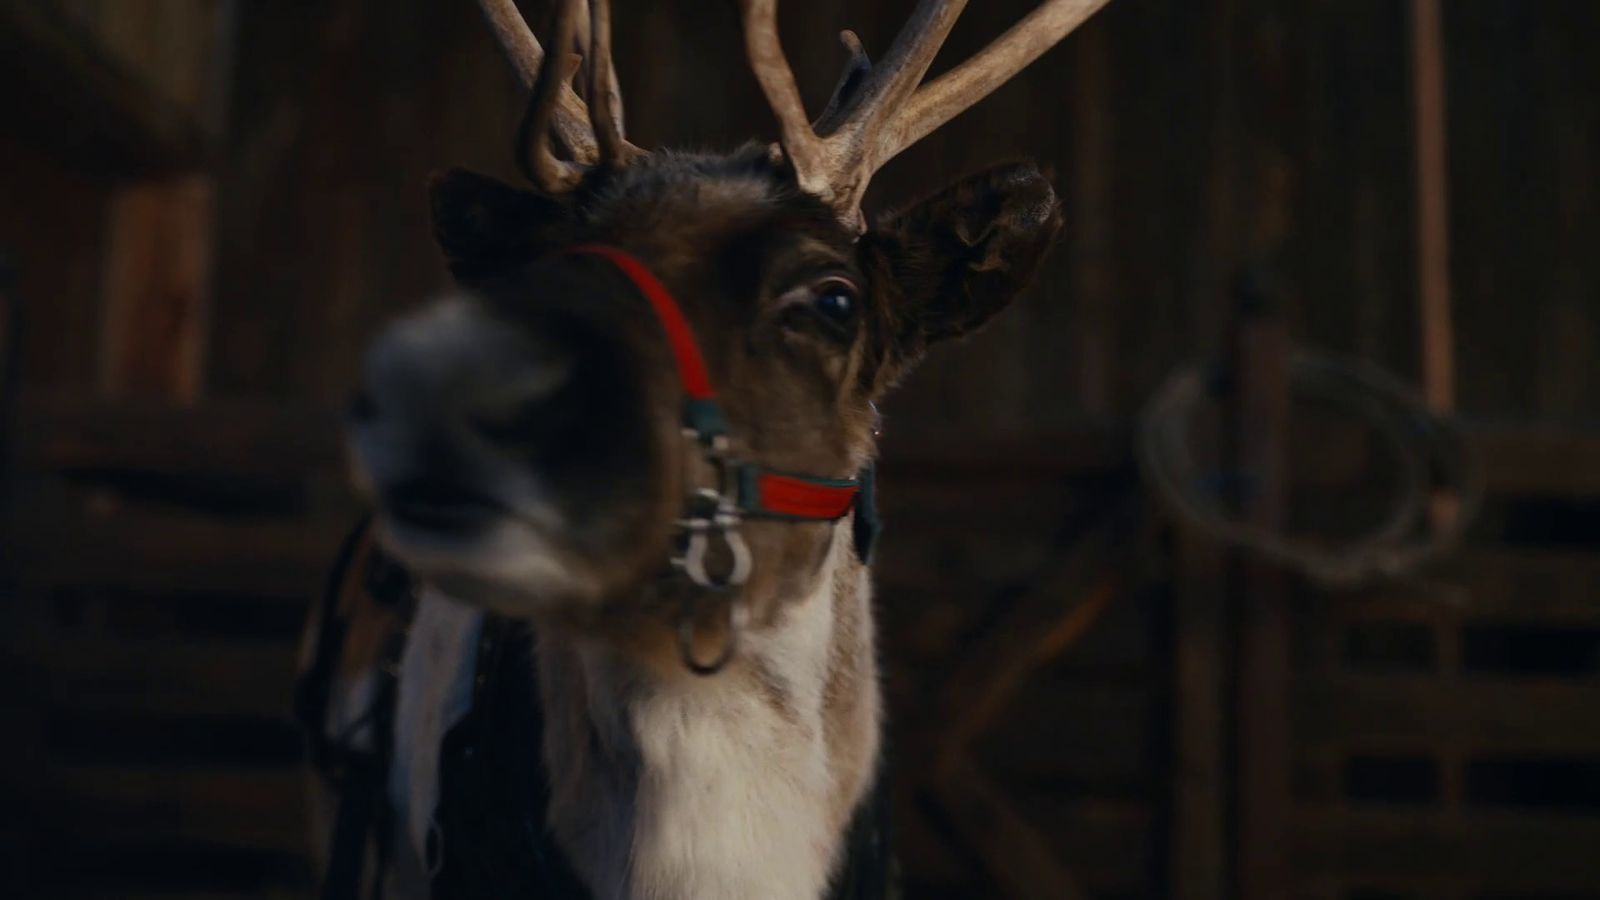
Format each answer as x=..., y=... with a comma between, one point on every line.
x=702, y=788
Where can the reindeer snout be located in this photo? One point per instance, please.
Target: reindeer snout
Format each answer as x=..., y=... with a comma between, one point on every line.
x=455, y=405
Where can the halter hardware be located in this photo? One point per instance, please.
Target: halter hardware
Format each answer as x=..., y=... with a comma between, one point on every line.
x=711, y=513
x=712, y=516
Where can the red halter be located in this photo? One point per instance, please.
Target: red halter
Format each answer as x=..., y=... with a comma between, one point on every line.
x=759, y=491
x=744, y=489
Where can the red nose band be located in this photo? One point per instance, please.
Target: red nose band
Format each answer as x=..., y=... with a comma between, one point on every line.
x=685, y=351
x=760, y=492
x=804, y=498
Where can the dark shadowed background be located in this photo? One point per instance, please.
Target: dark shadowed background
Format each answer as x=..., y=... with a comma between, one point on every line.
x=207, y=206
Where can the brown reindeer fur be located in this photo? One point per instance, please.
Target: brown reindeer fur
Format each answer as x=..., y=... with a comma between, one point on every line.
x=576, y=484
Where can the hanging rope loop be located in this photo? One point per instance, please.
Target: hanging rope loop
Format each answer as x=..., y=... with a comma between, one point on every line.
x=1433, y=456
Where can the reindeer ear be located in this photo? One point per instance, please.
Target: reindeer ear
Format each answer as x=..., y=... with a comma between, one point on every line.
x=958, y=257
x=484, y=225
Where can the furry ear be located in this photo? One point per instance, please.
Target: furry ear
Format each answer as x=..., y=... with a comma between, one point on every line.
x=957, y=258
x=484, y=225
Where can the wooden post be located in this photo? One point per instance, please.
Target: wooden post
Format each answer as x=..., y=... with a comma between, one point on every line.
x=1433, y=205
x=1231, y=800
x=157, y=288
x=1093, y=152
x=10, y=371
x=1259, y=419
x=1199, y=864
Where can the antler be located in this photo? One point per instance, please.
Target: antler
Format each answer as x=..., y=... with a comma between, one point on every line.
x=590, y=134
x=874, y=116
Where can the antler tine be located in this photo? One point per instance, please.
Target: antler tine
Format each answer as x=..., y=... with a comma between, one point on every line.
x=570, y=117
x=947, y=96
x=908, y=59
x=845, y=91
x=540, y=164
x=605, y=97
x=878, y=111
x=835, y=161
x=800, y=144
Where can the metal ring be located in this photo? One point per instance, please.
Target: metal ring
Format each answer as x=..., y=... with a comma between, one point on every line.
x=738, y=616
x=694, y=560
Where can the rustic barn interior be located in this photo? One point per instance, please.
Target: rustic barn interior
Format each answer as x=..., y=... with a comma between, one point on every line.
x=207, y=207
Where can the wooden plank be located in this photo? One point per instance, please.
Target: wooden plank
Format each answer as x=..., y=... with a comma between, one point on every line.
x=1109, y=844
x=57, y=280
x=137, y=548
x=170, y=43
x=1500, y=852
x=1415, y=887
x=1198, y=864
x=1092, y=266
x=1259, y=418
x=10, y=370
x=154, y=676
x=1485, y=584
x=1105, y=844
x=1080, y=736
x=1415, y=713
x=1534, y=458
x=1095, y=448
x=262, y=809
x=275, y=892
x=61, y=87
x=1016, y=854
x=58, y=430
x=1049, y=618
x=1433, y=205
x=157, y=288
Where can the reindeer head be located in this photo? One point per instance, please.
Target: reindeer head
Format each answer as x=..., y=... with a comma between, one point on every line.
x=524, y=438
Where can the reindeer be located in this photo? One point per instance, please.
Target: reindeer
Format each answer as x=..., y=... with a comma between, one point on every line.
x=622, y=484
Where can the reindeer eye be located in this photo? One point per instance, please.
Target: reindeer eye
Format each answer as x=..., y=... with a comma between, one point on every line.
x=828, y=305
x=835, y=300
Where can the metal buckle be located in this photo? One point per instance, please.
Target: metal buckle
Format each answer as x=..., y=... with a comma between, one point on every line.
x=693, y=561
x=713, y=513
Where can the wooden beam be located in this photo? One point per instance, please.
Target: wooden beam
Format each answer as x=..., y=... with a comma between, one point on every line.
x=1090, y=205
x=1198, y=861
x=64, y=431
x=111, y=805
x=1038, y=627
x=10, y=371
x=59, y=87
x=1017, y=856
x=1520, y=854
x=178, y=675
x=1259, y=420
x=1421, y=714
x=156, y=292
x=1433, y=205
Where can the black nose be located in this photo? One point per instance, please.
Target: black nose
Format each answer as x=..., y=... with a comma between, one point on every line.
x=524, y=405
x=458, y=403
x=439, y=504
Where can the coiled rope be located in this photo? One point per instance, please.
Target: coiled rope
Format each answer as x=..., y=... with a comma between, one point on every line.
x=1433, y=455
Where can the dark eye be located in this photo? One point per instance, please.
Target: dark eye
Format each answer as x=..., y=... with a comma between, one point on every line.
x=834, y=299
x=829, y=305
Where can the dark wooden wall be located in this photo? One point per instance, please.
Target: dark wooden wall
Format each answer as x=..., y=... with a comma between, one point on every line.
x=1188, y=138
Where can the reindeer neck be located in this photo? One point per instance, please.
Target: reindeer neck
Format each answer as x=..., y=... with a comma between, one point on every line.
x=735, y=785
